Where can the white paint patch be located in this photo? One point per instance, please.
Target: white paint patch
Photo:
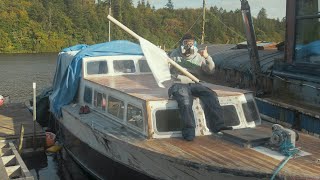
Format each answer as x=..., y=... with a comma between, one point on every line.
x=275, y=154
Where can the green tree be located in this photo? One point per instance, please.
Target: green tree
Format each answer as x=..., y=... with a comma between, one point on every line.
x=169, y=5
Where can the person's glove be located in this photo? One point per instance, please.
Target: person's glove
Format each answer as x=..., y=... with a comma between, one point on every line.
x=204, y=53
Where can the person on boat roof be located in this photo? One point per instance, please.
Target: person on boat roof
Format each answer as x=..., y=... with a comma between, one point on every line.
x=187, y=56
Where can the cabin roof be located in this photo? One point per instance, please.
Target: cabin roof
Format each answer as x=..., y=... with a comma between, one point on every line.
x=145, y=87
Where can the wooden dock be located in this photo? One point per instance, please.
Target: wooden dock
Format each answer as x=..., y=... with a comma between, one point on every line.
x=11, y=164
x=12, y=116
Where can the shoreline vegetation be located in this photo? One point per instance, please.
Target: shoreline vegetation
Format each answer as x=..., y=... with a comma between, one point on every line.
x=40, y=26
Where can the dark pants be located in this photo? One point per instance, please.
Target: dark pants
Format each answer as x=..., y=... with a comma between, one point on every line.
x=183, y=94
x=212, y=108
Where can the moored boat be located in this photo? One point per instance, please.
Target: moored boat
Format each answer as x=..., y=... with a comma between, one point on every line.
x=120, y=114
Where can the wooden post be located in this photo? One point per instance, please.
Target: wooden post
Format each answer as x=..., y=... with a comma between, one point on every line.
x=109, y=13
x=173, y=63
x=20, y=144
x=203, y=21
x=34, y=115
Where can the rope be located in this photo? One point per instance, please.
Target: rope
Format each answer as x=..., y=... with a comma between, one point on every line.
x=287, y=149
x=189, y=28
x=298, y=84
x=236, y=33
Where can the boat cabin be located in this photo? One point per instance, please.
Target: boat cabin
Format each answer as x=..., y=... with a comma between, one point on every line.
x=123, y=90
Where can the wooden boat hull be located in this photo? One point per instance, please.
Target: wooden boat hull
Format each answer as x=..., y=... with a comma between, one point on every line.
x=96, y=164
x=106, y=156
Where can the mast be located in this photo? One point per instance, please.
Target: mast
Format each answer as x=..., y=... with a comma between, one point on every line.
x=203, y=21
x=251, y=41
x=109, y=20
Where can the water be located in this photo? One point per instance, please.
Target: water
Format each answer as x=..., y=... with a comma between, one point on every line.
x=17, y=73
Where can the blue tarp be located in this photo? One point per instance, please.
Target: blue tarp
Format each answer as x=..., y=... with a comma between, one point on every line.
x=311, y=49
x=67, y=89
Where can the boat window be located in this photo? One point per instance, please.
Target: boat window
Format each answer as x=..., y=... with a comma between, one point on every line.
x=134, y=116
x=250, y=111
x=168, y=120
x=87, y=95
x=307, y=38
x=143, y=65
x=97, y=67
x=115, y=107
x=230, y=115
x=100, y=100
x=124, y=66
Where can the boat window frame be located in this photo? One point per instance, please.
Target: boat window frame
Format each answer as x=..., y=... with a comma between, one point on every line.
x=100, y=108
x=124, y=73
x=154, y=111
x=124, y=109
x=238, y=112
x=292, y=18
x=143, y=117
x=138, y=65
x=109, y=60
x=97, y=59
x=83, y=95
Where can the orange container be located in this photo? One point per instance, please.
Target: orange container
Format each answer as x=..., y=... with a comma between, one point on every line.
x=50, y=139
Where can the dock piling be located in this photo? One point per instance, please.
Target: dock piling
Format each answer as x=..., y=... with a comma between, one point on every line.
x=34, y=115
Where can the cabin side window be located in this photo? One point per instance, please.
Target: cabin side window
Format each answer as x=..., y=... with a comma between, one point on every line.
x=97, y=67
x=230, y=115
x=87, y=95
x=168, y=120
x=143, y=65
x=250, y=111
x=115, y=107
x=100, y=100
x=124, y=66
x=134, y=116
x=307, y=37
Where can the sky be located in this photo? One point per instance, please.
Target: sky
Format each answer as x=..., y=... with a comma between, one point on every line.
x=275, y=8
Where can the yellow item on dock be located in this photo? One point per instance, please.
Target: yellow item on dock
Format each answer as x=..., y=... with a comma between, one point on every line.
x=54, y=149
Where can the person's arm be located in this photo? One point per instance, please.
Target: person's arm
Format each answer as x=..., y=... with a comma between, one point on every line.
x=207, y=64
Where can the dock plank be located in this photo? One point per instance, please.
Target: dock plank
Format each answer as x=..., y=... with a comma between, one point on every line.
x=11, y=118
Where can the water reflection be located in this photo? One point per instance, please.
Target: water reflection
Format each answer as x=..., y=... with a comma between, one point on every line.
x=54, y=166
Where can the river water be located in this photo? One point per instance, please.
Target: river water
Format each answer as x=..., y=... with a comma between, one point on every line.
x=17, y=73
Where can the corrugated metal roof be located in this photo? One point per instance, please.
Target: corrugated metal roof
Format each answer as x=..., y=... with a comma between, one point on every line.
x=226, y=56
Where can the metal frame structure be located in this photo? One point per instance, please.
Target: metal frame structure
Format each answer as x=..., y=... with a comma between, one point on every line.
x=290, y=43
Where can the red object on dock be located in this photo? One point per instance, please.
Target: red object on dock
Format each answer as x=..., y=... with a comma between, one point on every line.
x=1, y=100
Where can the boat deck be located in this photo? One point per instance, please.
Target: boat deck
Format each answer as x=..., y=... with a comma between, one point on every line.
x=225, y=156
x=144, y=86
x=214, y=153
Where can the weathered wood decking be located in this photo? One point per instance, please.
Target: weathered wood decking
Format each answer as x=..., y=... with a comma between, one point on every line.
x=11, y=118
x=11, y=163
x=144, y=86
x=212, y=152
x=229, y=157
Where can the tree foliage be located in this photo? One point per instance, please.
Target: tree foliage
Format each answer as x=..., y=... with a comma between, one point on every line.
x=50, y=25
